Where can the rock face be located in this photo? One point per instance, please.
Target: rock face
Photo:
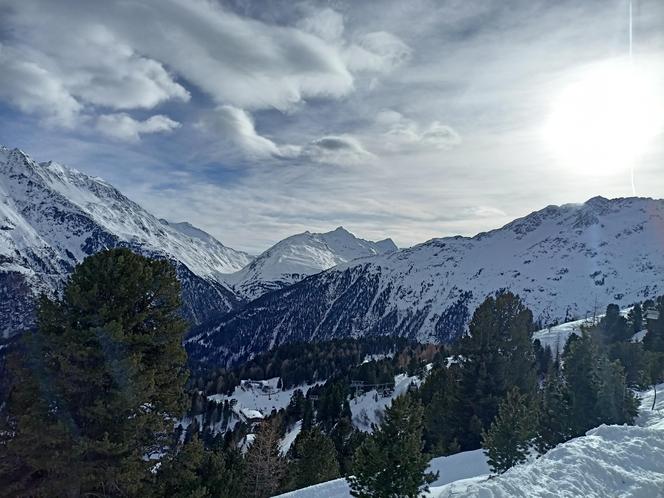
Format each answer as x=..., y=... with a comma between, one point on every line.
x=565, y=262
x=301, y=255
x=52, y=217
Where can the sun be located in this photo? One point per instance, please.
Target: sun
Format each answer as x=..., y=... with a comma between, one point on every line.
x=604, y=119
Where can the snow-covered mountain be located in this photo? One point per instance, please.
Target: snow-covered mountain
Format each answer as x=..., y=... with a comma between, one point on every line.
x=51, y=217
x=565, y=261
x=301, y=255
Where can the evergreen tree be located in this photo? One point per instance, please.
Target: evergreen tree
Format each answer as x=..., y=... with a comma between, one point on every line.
x=180, y=477
x=580, y=359
x=265, y=466
x=511, y=434
x=552, y=413
x=315, y=459
x=635, y=317
x=616, y=404
x=390, y=462
x=654, y=339
x=614, y=327
x=441, y=423
x=98, y=383
x=497, y=355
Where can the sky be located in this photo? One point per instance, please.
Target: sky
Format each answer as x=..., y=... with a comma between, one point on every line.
x=255, y=120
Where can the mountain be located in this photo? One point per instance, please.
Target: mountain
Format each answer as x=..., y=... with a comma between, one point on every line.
x=301, y=255
x=564, y=261
x=52, y=217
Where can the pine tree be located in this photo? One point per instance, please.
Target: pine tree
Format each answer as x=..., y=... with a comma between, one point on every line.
x=511, y=434
x=616, y=404
x=635, y=317
x=613, y=327
x=552, y=414
x=441, y=423
x=97, y=385
x=579, y=360
x=390, y=462
x=265, y=466
x=315, y=459
x=497, y=355
x=180, y=477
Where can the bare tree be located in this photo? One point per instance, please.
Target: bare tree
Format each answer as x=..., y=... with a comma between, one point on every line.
x=265, y=467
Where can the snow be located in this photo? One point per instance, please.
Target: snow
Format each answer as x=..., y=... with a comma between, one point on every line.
x=260, y=397
x=52, y=217
x=556, y=337
x=301, y=255
x=290, y=436
x=615, y=461
x=367, y=408
x=465, y=465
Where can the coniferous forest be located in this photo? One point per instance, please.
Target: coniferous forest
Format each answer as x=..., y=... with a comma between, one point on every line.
x=99, y=399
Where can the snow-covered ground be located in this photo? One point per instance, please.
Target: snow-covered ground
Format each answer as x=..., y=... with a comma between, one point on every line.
x=609, y=461
x=368, y=407
x=556, y=337
x=469, y=464
x=260, y=396
x=615, y=461
x=289, y=438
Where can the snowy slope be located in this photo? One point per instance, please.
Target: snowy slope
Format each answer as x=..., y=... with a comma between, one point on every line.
x=454, y=468
x=51, y=217
x=301, y=255
x=556, y=337
x=564, y=261
x=368, y=407
x=615, y=461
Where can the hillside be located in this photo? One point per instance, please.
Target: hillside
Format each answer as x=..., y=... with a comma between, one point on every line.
x=564, y=261
x=52, y=217
x=614, y=460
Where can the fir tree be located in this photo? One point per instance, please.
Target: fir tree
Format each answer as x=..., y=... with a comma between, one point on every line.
x=315, y=459
x=390, y=462
x=511, y=434
x=552, y=413
x=635, y=317
x=497, y=355
x=580, y=359
x=98, y=383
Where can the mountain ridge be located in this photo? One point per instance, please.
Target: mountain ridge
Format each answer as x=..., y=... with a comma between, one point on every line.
x=51, y=217
x=563, y=260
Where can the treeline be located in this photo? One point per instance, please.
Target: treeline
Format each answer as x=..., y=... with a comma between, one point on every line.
x=298, y=363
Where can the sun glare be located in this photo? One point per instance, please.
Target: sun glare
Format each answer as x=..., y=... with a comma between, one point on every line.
x=605, y=119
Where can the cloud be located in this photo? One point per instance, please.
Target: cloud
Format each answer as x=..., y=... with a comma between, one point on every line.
x=404, y=134
x=340, y=149
x=379, y=52
x=121, y=126
x=235, y=127
x=33, y=89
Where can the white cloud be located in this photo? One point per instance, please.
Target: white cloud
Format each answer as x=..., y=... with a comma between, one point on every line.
x=234, y=126
x=327, y=24
x=337, y=149
x=33, y=89
x=121, y=126
x=404, y=134
x=379, y=52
